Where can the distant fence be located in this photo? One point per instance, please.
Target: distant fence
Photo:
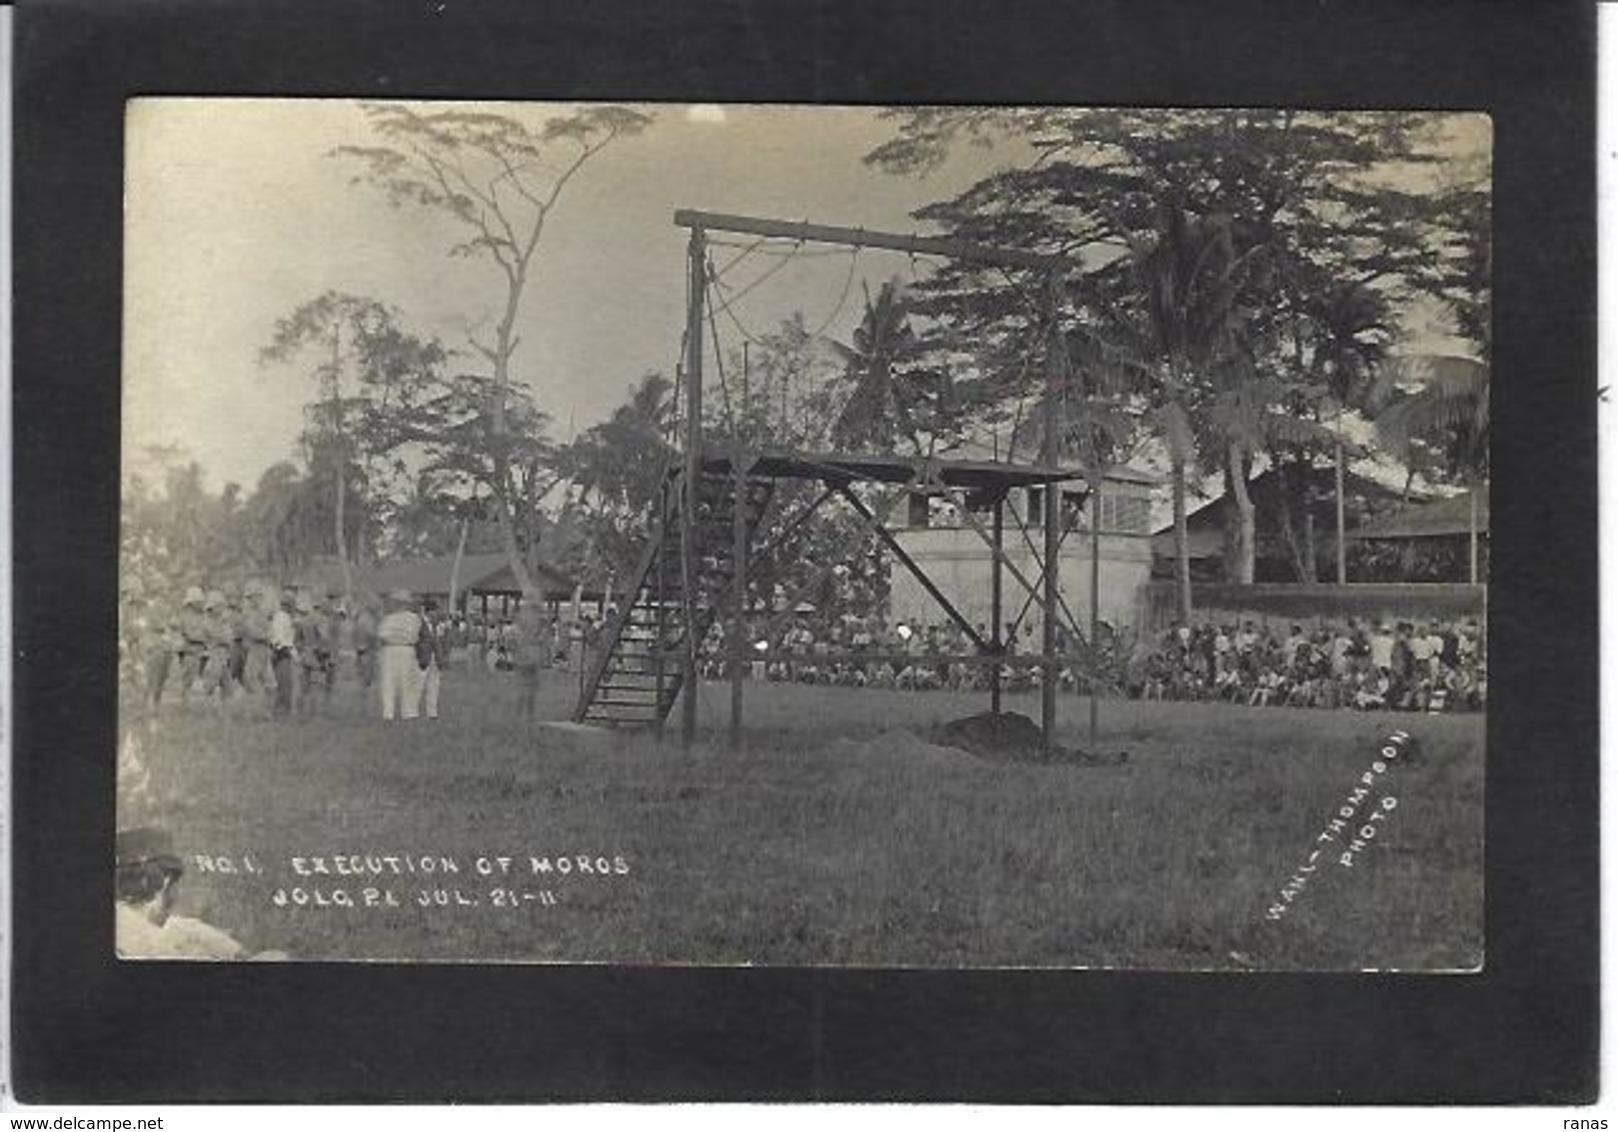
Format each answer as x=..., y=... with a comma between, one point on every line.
x=1306, y=604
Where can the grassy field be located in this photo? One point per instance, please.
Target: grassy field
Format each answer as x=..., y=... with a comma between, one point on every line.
x=817, y=846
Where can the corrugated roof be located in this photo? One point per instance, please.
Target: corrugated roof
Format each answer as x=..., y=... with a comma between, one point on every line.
x=1438, y=519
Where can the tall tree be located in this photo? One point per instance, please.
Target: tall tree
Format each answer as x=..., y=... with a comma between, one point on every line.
x=617, y=469
x=365, y=366
x=1273, y=196
x=1448, y=414
x=886, y=396
x=499, y=180
x=1350, y=329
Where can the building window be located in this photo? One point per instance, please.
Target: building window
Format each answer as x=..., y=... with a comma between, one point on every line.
x=920, y=510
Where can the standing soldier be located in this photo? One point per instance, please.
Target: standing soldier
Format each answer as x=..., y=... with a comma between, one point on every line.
x=314, y=651
x=257, y=610
x=158, y=649
x=193, y=630
x=218, y=634
x=366, y=646
x=345, y=655
x=284, y=653
x=236, y=613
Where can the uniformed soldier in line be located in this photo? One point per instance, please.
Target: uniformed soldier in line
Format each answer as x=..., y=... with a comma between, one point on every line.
x=284, y=654
x=314, y=652
x=159, y=645
x=193, y=630
x=256, y=676
x=366, y=645
x=219, y=634
x=345, y=653
x=236, y=611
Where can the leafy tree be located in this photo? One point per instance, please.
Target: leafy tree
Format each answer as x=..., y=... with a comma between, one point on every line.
x=499, y=180
x=617, y=469
x=785, y=393
x=886, y=396
x=1203, y=235
x=366, y=368
x=1347, y=331
x=1448, y=416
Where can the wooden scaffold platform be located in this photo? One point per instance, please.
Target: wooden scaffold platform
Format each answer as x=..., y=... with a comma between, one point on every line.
x=702, y=549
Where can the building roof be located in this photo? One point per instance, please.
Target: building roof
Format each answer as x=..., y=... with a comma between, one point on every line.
x=976, y=475
x=480, y=573
x=1441, y=518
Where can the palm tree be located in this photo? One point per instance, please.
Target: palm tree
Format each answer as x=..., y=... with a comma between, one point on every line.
x=1352, y=329
x=1179, y=322
x=1448, y=414
x=882, y=403
x=617, y=469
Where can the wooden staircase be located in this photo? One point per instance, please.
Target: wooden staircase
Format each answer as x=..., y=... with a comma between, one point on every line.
x=638, y=669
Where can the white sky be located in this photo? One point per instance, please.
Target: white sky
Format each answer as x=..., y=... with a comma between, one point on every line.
x=235, y=215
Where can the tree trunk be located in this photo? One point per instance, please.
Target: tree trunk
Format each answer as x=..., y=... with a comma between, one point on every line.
x=505, y=346
x=455, y=568
x=1311, y=565
x=1240, y=524
x=1342, y=544
x=342, y=535
x=1289, y=533
x=339, y=512
x=1472, y=533
x=1182, y=541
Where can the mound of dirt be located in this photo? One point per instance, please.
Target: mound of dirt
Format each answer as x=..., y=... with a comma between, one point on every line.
x=899, y=745
x=1010, y=736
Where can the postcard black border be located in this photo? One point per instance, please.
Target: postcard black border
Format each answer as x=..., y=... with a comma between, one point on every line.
x=88, y=1029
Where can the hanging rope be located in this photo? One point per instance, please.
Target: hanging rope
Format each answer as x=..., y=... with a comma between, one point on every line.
x=719, y=354
x=747, y=250
x=763, y=278
x=848, y=285
x=724, y=306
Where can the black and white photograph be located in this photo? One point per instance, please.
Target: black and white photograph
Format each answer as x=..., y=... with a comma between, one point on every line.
x=722, y=534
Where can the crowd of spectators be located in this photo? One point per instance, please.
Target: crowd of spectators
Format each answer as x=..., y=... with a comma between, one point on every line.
x=1371, y=665
x=861, y=652
x=1429, y=665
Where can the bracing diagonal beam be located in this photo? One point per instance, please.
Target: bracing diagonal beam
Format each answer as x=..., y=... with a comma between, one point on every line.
x=1005, y=559
x=768, y=550
x=920, y=575
x=1072, y=621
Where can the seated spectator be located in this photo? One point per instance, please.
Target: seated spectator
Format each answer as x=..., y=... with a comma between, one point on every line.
x=146, y=889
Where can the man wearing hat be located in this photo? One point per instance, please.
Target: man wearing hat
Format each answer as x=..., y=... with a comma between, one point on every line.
x=314, y=650
x=148, y=878
x=161, y=642
x=219, y=634
x=284, y=652
x=254, y=627
x=365, y=644
x=193, y=629
x=432, y=654
x=397, y=670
